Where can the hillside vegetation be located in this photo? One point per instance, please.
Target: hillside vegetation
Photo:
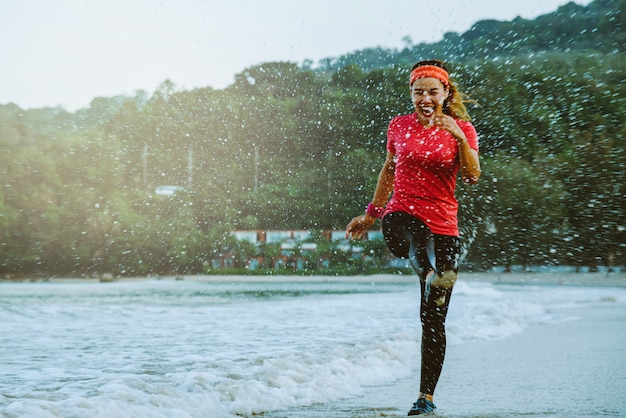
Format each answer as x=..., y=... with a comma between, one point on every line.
x=299, y=147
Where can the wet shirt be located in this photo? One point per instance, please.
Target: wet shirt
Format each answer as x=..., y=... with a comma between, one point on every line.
x=427, y=164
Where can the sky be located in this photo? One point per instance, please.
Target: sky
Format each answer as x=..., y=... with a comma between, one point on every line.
x=68, y=52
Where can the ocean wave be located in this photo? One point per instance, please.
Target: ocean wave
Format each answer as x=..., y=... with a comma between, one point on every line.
x=178, y=350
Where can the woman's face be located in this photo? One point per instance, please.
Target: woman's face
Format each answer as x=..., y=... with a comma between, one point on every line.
x=428, y=95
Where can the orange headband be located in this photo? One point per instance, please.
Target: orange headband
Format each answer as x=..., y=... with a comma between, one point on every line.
x=429, y=71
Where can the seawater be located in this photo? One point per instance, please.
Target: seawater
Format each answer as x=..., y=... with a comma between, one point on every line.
x=164, y=348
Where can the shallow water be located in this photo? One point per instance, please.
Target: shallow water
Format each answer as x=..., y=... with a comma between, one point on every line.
x=154, y=348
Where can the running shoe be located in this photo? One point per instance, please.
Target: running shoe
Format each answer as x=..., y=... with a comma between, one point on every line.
x=422, y=406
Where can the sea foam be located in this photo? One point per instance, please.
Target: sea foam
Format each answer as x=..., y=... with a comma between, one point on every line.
x=168, y=349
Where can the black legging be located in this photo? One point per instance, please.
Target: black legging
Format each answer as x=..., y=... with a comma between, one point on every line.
x=408, y=237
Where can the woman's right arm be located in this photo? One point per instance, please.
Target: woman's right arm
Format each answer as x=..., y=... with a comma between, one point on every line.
x=384, y=187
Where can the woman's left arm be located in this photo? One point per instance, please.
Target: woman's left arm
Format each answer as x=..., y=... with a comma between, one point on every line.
x=470, y=164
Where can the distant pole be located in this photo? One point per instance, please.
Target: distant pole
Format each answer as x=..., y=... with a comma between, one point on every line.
x=256, y=168
x=190, y=167
x=329, y=172
x=144, y=160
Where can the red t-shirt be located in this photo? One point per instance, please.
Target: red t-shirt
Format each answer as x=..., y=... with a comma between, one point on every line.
x=427, y=164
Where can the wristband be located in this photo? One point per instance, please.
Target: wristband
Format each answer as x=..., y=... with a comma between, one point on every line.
x=374, y=211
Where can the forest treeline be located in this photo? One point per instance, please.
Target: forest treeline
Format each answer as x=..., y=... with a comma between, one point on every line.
x=290, y=146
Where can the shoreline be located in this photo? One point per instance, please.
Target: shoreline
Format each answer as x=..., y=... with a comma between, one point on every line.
x=560, y=370
x=599, y=279
x=570, y=367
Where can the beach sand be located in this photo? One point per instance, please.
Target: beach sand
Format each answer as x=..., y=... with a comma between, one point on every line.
x=573, y=368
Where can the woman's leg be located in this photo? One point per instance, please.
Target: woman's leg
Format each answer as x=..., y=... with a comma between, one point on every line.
x=433, y=319
x=433, y=312
x=408, y=237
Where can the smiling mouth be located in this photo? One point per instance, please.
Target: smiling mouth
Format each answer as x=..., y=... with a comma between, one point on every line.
x=427, y=110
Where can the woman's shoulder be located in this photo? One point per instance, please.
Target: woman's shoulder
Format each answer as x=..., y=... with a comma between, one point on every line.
x=408, y=116
x=464, y=123
x=466, y=126
x=470, y=132
x=403, y=119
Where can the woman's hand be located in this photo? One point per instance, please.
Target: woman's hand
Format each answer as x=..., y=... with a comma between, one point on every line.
x=447, y=123
x=358, y=225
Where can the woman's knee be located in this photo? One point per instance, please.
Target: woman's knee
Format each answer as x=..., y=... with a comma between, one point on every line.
x=445, y=279
x=401, y=231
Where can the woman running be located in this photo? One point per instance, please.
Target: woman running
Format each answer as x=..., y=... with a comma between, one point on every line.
x=425, y=151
